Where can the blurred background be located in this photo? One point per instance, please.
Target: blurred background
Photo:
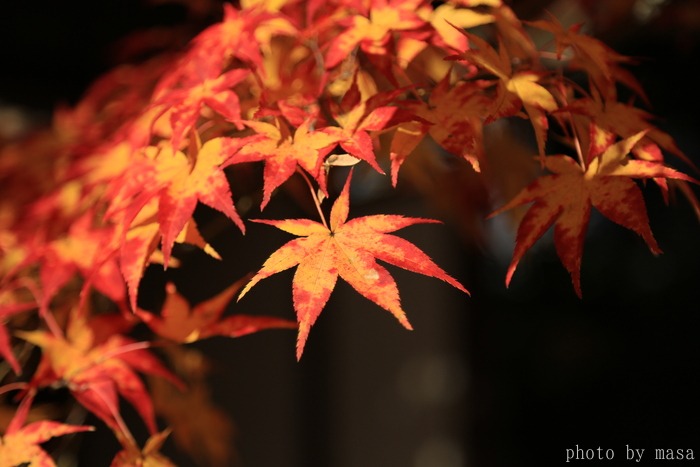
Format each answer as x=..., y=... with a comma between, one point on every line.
x=505, y=378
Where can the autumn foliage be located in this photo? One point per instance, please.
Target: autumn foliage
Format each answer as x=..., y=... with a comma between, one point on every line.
x=304, y=91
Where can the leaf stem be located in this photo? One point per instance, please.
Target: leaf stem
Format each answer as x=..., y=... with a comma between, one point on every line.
x=43, y=306
x=314, y=196
x=13, y=387
x=574, y=133
x=577, y=145
x=121, y=425
x=123, y=349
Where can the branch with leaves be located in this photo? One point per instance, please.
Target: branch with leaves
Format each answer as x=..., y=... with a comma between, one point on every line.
x=296, y=89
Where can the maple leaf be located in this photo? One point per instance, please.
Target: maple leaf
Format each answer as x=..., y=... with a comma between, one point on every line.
x=391, y=30
x=178, y=181
x=366, y=115
x=184, y=183
x=283, y=152
x=20, y=445
x=565, y=197
x=455, y=113
x=81, y=249
x=463, y=17
x=185, y=105
x=590, y=54
x=139, y=247
x=95, y=372
x=371, y=31
x=182, y=323
x=613, y=118
x=515, y=90
x=600, y=121
x=511, y=30
x=149, y=456
x=349, y=250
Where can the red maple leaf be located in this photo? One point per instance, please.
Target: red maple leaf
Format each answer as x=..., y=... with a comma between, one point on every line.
x=20, y=444
x=372, y=31
x=565, y=198
x=514, y=89
x=453, y=116
x=97, y=368
x=371, y=115
x=140, y=248
x=185, y=105
x=284, y=152
x=183, y=182
x=180, y=322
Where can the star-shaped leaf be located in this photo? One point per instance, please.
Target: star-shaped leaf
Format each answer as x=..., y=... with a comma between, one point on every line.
x=98, y=371
x=590, y=54
x=565, y=197
x=372, y=32
x=20, y=444
x=348, y=249
x=515, y=89
x=181, y=322
x=185, y=105
x=456, y=113
x=185, y=183
x=283, y=153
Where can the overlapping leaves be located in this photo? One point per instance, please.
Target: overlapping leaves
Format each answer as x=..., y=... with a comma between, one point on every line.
x=297, y=87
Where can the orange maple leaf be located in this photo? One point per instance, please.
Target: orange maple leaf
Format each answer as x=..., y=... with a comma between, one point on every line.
x=82, y=249
x=185, y=183
x=591, y=55
x=515, y=90
x=349, y=250
x=565, y=199
x=182, y=323
x=617, y=118
x=373, y=30
x=149, y=456
x=159, y=194
x=283, y=152
x=358, y=117
x=456, y=113
x=20, y=444
x=139, y=247
x=96, y=368
x=186, y=104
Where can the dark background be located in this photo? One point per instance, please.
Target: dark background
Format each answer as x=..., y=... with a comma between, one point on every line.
x=504, y=378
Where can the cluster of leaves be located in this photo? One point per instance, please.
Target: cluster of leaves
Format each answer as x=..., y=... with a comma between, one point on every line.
x=298, y=88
